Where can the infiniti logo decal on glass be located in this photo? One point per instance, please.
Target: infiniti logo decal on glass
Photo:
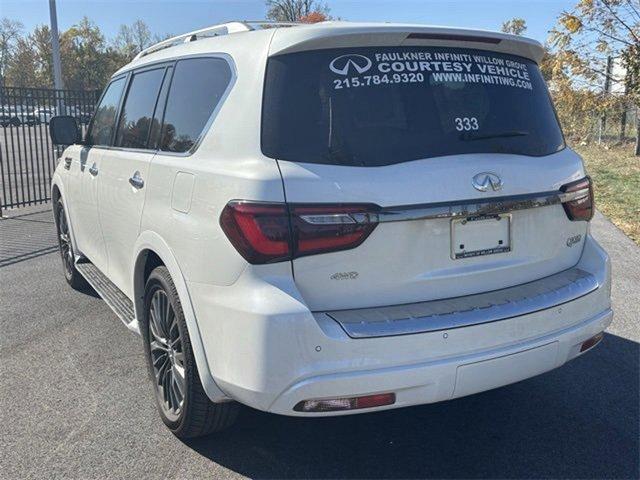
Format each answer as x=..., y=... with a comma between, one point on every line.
x=487, y=180
x=343, y=64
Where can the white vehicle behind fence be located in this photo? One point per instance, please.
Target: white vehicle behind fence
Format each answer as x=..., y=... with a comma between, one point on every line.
x=45, y=114
x=336, y=218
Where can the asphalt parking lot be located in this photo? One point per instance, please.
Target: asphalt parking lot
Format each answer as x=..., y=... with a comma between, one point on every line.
x=76, y=401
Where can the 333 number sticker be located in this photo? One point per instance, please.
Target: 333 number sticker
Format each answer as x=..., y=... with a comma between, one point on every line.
x=466, y=124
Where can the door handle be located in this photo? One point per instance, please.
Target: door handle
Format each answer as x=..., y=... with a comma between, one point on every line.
x=67, y=162
x=136, y=181
x=93, y=170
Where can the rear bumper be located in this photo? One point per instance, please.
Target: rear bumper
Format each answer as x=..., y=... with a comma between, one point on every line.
x=445, y=379
x=267, y=350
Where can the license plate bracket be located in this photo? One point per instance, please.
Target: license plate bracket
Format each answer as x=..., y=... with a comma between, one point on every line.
x=480, y=235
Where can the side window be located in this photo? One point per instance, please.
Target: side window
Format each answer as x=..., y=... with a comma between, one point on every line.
x=138, y=109
x=156, y=124
x=104, y=119
x=196, y=89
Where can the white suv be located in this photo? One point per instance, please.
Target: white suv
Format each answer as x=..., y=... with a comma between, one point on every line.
x=332, y=218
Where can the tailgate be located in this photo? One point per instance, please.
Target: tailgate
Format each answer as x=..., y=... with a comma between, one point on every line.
x=410, y=261
x=420, y=129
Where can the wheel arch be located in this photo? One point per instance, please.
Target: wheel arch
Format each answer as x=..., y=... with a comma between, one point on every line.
x=151, y=251
x=57, y=187
x=58, y=193
x=57, y=190
x=55, y=194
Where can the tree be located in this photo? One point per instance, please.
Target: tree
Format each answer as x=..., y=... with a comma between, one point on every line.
x=87, y=63
x=515, y=26
x=591, y=33
x=10, y=31
x=313, y=17
x=31, y=64
x=132, y=39
x=20, y=70
x=41, y=40
x=295, y=10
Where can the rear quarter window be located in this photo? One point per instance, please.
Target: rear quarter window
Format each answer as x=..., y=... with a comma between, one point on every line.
x=197, y=87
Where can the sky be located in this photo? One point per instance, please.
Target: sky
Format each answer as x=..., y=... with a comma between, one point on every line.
x=180, y=16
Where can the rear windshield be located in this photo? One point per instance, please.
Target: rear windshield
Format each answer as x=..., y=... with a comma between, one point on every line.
x=384, y=105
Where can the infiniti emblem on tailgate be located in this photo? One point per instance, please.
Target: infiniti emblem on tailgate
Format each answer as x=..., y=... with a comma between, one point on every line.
x=487, y=180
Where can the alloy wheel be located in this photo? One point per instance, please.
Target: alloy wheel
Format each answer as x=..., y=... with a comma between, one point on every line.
x=66, y=250
x=167, y=356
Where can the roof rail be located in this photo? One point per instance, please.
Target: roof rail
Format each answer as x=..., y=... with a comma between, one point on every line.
x=212, y=31
x=271, y=23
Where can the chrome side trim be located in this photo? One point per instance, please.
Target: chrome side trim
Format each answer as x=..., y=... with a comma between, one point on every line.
x=465, y=311
x=462, y=208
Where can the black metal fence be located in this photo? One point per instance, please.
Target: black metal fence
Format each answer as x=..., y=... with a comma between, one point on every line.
x=27, y=156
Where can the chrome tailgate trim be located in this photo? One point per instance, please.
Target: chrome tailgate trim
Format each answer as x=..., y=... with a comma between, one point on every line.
x=465, y=311
x=455, y=209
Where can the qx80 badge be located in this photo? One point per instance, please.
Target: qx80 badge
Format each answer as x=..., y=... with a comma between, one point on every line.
x=350, y=63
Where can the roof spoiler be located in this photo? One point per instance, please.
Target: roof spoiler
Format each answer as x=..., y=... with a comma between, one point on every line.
x=347, y=35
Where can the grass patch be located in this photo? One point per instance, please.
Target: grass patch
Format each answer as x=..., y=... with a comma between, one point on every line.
x=616, y=175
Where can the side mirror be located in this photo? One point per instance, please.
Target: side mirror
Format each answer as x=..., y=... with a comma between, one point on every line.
x=64, y=130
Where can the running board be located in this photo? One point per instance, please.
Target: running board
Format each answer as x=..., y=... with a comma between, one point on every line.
x=112, y=295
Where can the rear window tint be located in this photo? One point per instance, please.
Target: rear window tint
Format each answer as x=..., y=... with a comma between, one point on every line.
x=384, y=105
x=196, y=89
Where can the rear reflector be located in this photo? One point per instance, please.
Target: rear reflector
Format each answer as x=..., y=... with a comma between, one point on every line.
x=577, y=199
x=273, y=232
x=350, y=403
x=592, y=342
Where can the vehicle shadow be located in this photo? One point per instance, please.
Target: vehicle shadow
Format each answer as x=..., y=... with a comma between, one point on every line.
x=26, y=236
x=580, y=421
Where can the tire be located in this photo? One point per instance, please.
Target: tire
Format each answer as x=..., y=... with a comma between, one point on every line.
x=65, y=245
x=182, y=403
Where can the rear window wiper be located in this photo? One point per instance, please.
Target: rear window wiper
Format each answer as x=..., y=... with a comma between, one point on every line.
x=514, y=133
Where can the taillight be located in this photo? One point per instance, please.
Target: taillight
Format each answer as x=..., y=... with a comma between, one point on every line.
x=577, y=199
x=329, y=228
x=258, y=231
x=273, y=232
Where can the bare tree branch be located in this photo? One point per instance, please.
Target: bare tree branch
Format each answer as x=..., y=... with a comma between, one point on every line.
x=620, y=20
